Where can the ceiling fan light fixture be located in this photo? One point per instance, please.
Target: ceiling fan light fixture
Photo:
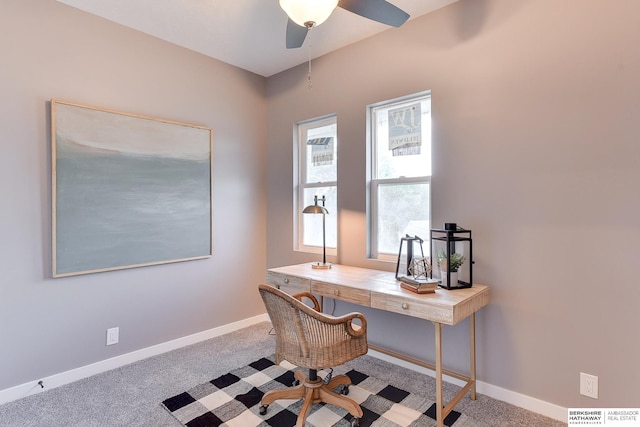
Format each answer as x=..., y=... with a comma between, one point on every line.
x=308, y=13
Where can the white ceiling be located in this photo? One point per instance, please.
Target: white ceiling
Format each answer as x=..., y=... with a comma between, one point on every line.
x=249, y=34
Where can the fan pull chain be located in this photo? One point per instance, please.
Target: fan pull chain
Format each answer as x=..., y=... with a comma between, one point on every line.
x=309, y=83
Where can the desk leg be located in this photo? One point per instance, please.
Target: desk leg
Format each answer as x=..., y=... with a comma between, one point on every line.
x=472, y=353
x=439, y=397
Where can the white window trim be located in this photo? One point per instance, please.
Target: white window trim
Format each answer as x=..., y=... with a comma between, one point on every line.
x=373, y=184
x=299, y=171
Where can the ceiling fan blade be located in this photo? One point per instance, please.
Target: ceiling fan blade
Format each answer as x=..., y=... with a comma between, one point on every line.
x=295, y=34
x=377, y=10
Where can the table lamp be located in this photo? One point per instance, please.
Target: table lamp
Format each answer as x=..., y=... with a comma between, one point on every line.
x=317, y=209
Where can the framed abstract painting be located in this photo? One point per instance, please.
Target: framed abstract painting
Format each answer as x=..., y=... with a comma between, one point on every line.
x=127, y=190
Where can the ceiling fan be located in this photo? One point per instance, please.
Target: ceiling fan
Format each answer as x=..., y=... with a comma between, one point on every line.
x=306, y=14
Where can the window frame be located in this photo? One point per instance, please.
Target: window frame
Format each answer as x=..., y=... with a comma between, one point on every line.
x=375, y=183
x=300, y=132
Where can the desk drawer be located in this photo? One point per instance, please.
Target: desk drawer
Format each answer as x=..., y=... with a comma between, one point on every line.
x=342, y=293
x=414, y=307
x=287, y=283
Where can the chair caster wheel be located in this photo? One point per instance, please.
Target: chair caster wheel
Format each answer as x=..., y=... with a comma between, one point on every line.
x=355, y=422
x=344, y=390
x=263, y=409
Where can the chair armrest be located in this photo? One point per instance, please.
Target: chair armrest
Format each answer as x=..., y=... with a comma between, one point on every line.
x=309, y=295
x=353, y=329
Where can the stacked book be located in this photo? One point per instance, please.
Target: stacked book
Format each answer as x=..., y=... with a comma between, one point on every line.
x=419, y=286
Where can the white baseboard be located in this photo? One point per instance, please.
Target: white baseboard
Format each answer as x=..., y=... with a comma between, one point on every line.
x=517, y=399
x=532, y=404
x=67, y=377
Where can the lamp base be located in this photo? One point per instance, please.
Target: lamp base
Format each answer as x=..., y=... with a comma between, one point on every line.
x=320, y=266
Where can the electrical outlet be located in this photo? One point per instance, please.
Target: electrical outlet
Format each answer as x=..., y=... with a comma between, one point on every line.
x=113, y=335
x=588, y=385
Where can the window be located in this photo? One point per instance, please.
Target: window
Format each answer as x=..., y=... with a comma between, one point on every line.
x=316, y=174
x=399, y=173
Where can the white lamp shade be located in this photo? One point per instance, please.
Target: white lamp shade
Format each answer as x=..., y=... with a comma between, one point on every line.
x=303, y=11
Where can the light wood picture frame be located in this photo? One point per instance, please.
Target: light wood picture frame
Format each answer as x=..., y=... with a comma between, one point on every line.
x=127, y=190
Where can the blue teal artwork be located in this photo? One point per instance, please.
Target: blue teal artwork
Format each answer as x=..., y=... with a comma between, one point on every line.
x=128, y=191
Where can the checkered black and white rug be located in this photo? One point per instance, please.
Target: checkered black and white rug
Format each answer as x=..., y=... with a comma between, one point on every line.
x=233, y=400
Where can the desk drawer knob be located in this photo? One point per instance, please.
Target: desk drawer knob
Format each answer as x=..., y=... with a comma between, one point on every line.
x=286, y=280
x=336, y=292
x=405, y=306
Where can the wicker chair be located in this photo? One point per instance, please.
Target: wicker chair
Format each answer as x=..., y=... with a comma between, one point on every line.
x=313, y=340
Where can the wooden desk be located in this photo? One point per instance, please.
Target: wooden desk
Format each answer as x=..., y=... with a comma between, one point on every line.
x=380, y=289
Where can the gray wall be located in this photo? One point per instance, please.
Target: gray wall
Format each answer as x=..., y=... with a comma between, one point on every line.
x=536, y=109
x=48, y=326
x=535, y=105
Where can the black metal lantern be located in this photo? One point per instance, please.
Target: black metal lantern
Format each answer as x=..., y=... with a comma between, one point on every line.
x=452, y=256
